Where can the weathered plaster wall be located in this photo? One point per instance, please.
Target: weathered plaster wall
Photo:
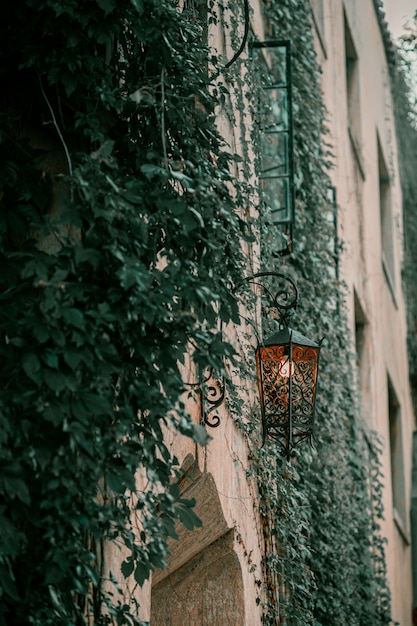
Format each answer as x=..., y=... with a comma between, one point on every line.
x=206, y=590
x=356, y=178
x=227, y=505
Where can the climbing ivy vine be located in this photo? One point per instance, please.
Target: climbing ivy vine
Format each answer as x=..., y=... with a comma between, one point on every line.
x=404, y=80
x=121, y=231
x=322, y=508
x=119, y=238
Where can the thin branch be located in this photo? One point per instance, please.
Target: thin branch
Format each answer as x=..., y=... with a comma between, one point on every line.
x=54, y=233
x=67, y=154
x=163, y=137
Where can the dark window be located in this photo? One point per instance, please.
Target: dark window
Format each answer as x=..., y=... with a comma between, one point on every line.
x=387, y=238
x=363, y=361
x=396, y=457
x=353, y=95
x=331, y=215
x=360, y=325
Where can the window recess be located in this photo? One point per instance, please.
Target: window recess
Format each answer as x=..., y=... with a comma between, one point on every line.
x=397, y=462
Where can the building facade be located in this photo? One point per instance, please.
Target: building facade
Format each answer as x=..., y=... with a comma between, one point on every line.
x=183, y=178
x=217, y=573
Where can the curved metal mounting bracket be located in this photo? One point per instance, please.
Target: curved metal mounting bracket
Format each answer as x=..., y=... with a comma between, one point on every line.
x=285, y=300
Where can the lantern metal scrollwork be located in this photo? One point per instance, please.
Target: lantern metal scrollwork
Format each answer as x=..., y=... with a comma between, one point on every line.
x=287, y=368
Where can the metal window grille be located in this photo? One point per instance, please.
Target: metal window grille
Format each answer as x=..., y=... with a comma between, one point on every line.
x=272, y=61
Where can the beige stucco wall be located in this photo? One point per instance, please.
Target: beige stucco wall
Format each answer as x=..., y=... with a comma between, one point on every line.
x=382, y=302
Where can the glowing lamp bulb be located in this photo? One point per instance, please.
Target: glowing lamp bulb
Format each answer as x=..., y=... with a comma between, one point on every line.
x=286, y=368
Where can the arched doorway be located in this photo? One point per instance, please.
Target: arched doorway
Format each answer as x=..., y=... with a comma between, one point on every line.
x=203, y=586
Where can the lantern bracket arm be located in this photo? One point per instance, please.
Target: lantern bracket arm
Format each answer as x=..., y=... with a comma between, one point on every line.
x=284, y=300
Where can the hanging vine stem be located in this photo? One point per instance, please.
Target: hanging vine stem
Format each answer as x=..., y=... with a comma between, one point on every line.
x=163, y=137
x=58, y=130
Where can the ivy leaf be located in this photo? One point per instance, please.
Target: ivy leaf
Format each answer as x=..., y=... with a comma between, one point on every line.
x=150, y=171
x=127, y=567
x=16, y=488
x=74, y=317
x=96, y=404
x=142, y=572
x=138, y=4
x=88, y=255
x=40, y=330
x=200, y=434
x=107, y=5
x=169, y=526
x=187, y=516
x=50, y=357
x=32, y=366
x=73, y=359
x=128, y=277
x=8, y=581
x=55, y=380
x=55, y=414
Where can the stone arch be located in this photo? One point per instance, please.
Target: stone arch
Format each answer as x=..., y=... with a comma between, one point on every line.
x=203, y=585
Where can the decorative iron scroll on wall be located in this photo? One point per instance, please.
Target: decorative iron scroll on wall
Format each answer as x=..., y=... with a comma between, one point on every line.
x=212, y=392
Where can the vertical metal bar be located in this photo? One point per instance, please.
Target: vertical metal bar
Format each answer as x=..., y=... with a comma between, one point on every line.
x=290, y=142
x=290, y=428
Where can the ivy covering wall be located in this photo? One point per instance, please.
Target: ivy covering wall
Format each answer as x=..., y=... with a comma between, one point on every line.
x=121, y=232
x=119, y=240
x=324, y=553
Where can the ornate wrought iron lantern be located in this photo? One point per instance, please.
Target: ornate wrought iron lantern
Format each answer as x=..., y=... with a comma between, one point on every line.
x=287, y=369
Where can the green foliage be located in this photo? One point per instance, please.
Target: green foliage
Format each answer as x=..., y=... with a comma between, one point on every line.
x=119, y=239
